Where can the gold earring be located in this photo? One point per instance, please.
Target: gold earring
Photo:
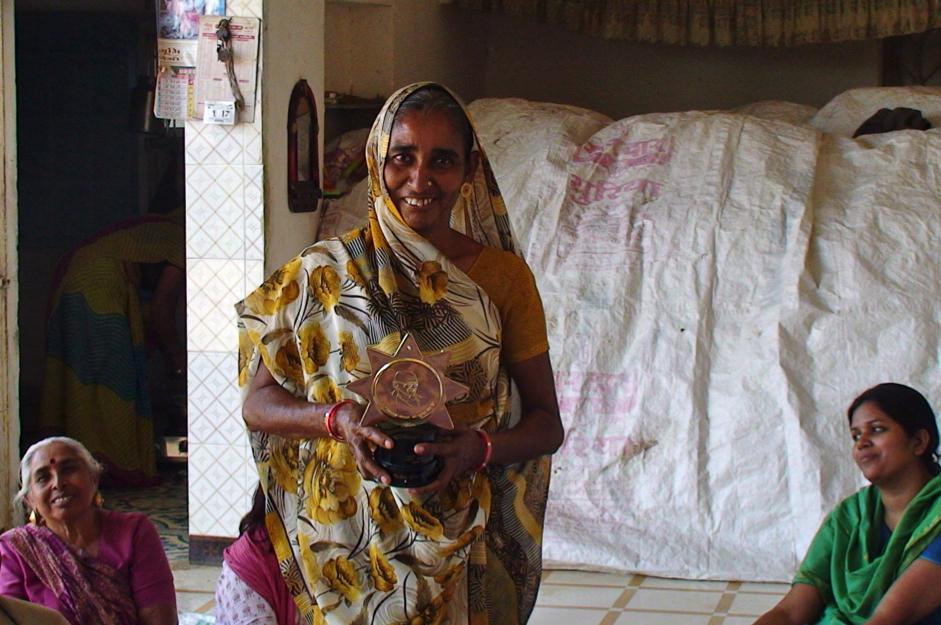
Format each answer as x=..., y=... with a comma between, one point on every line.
x=34, y=518
x=466, y=190
x=99, y=500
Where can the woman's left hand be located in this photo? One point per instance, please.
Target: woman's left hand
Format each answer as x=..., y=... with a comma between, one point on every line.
x=538, y=432
x=460, y=450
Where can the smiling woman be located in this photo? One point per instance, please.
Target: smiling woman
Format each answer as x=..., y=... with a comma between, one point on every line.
x=89, y=564
x=437, y=262
x=877, y=557
x=428, y=163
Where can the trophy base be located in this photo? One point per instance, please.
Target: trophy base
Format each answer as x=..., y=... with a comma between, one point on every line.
x=406, y=468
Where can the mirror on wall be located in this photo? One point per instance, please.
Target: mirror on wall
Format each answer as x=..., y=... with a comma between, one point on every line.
x=304, y=192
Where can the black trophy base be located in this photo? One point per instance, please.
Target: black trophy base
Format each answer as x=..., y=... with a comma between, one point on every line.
x=406, y=468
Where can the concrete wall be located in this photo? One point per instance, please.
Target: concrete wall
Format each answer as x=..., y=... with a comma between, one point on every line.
x=293, y=47
x=442, y=43
x=373, y=49
x=539, y=62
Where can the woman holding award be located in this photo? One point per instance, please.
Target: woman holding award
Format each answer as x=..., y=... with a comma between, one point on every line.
x=434, y=285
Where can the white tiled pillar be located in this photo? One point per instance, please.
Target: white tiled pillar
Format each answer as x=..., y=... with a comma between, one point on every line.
x=224, y=262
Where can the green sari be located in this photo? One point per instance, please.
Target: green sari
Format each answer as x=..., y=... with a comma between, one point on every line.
x=844, y=561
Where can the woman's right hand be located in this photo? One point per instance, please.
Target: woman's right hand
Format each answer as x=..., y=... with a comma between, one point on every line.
x=269, y=407
x=362, y=440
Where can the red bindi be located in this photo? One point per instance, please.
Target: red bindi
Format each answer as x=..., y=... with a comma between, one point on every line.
x=52, y=461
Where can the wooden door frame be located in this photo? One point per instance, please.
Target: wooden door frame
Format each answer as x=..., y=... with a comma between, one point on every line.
x=9, y=284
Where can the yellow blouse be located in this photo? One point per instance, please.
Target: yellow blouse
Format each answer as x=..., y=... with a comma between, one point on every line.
x=510, y=284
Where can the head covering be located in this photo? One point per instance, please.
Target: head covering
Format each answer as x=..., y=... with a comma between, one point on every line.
x=351, y=549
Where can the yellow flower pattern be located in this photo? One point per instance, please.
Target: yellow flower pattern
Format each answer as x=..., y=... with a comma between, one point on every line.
x=284, y=465
x=458, y=494
x=287, y=362
x=450, y=576
x=385, y=510
x=247, y=342
x=325, y=285
x=325, y=391
x=331, y=481
x=380, y=571
x=422, y=521
x=342, y=576
x=315, y=347
x=432, y=282
x=277, y=292
x=308, y=557
x=481, y=490
x=463, y=541
x=349, y=353
x=354, y=271
x=434, y=612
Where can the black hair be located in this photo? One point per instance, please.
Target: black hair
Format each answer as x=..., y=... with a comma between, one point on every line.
x=910, y=409
x=434, y=99
x=255, y=516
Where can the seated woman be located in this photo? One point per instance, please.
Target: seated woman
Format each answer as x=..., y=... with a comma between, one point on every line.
x=251, y=589
x=90, y=564
x=877, y=556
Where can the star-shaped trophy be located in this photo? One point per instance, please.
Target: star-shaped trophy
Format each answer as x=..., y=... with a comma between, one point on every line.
x=407, y=393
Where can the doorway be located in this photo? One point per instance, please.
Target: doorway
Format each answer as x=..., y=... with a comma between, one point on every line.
x=85, y=167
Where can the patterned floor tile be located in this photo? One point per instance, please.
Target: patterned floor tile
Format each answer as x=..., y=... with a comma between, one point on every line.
x=566, y=597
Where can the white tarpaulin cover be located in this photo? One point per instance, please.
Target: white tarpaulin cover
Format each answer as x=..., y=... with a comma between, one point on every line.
x=718, y=288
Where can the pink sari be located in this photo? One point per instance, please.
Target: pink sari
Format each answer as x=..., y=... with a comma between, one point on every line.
x=89, y=591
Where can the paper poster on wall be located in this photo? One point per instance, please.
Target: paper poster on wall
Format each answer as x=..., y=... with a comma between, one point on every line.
x=213, y=80
x=179, y=19
x=177, y=45
x=176, y=78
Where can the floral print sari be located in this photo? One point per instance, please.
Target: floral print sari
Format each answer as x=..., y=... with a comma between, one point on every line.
x=356, y=551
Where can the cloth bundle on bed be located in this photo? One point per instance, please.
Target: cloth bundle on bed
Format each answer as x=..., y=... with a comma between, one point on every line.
x=718, y=287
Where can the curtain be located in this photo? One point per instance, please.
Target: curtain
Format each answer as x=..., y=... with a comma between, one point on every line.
x=727, y=22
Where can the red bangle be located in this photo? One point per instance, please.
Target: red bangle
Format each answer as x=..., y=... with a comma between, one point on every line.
x=487, y=453
x=330, y=416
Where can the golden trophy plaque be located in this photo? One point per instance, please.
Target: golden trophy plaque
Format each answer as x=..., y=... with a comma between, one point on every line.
x=406, y=394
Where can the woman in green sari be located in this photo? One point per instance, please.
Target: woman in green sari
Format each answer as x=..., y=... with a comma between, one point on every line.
x=436, y=261
x=877, y=557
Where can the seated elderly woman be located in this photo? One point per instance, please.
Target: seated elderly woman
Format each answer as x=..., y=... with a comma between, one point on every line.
x=91, y=565
x=877, y=556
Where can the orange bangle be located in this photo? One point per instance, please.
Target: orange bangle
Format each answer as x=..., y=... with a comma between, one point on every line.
x=487, y=453
x=330, y=416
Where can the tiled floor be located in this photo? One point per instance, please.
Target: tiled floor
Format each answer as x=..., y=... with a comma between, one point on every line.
x=195, y=587
x=565, y=598
x=579, y=598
